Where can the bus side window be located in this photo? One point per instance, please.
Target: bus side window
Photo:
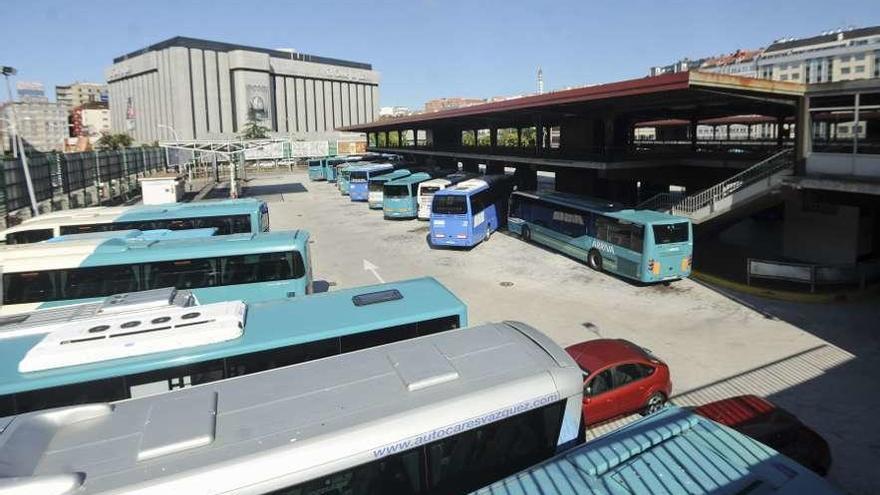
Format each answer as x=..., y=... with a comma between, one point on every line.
x=240, y=224
x=373, y=338
x=475, y=458
x=637, y=241
x=28, y=287
x=436, y=325
x=184, y=274
x=29, y=236
x=108, y=390
x=275, y=358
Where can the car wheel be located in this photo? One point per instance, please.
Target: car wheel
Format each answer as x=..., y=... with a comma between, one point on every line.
x=594, y=260
x=656, y=402
x=526, y=234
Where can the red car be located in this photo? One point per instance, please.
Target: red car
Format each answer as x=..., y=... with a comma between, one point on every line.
x=774, y=427
x=620, y=378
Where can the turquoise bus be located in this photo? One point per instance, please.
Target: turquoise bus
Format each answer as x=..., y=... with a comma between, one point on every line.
x=316, y=169
x=144, y=235
x=359, y=179
x=401, y=196
x=377, y=183
x=343, y=172
x=674, y=451
x=228, y=216
x=643, y=245
x=272, y=334
x=330, y=166
x=250, y=267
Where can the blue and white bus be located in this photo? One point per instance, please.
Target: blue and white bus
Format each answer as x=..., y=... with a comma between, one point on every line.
x=229, y=216
x=359, y=179
x=467, y=213
x=643, y=245
x=377, y=183
x=428, y=188
x=250, y=267
x=54, y=358
x=674, y=451
x=401, y=196
x=316, y=169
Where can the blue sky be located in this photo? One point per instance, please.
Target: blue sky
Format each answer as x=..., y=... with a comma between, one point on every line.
x=423, y=48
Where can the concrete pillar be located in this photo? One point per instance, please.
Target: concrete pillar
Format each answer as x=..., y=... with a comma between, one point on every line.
x=494, y=168
x=803, y=143
x=780, y=135
x=526, y=178
x=692, y=130
x=470, y=166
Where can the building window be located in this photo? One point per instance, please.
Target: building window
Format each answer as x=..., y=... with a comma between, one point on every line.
x=468, y=138
x=844, y=70
x=783, y=77
x=795, y=76
x=859, y=69
x=860, y=57
x=484, y=137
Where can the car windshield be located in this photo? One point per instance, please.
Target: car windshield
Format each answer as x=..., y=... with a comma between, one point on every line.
x=449, y=205
x=396, y=191
x=671, y=233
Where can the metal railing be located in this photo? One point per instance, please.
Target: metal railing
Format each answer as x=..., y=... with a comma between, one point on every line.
x=783, y=160
x=813, y=273
x=689, y=205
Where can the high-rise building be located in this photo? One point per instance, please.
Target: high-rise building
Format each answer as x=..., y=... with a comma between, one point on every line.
x=840, y=55
x=440, y=104
x=210, y=90
x=90, y=120
x=80, y=93
x=41, y=124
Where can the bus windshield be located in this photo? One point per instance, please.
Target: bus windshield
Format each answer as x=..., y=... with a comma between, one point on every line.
x=430, y=189
x=376, y=185
x=450, y=205
x=358, y=175
x=671, y=233
x=396, y=191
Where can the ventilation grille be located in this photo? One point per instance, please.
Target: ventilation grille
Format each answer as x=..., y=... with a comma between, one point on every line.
x=129, y=335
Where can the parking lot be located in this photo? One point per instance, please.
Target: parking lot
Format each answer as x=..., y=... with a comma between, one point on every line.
x=818, y=361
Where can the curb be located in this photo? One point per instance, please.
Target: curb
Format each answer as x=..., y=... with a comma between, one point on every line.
x=784, y=295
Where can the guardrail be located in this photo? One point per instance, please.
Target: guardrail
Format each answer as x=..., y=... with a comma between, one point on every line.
x=813, y=274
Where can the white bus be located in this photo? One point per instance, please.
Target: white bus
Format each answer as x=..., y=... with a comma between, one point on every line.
x=429, y=187
x=445, y=413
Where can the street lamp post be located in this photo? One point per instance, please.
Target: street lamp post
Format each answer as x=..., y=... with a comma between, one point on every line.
x=10, y=71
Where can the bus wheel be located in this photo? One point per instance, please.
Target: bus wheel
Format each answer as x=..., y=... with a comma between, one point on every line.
x=594, y=260
x=526, y=234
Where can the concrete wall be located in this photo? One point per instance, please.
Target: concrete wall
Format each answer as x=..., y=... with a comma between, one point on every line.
x=858, y=165
x=207, y=94
x=821, y=233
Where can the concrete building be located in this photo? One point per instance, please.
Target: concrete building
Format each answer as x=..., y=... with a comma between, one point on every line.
x=209, y=90
x=387, y=112
x=830, y=57
x=739, y=63
x=91, y=120
x=80, y=93
x=440, y=104
x=682, y=65
x=42, y=124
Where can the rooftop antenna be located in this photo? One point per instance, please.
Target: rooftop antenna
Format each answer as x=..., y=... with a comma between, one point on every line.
x=540, y=81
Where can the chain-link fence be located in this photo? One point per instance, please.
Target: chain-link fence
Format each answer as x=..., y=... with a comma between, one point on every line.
x=77, y=179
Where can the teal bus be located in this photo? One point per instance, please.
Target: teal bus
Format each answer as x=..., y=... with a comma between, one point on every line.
x=377, y=183
x=251, y=267
x=316, y=169
x=401, y=196
x=330, y=166
x=643, y=245
x=674, y=451
x=343, y=173
x=55, y=358
x=228, y=216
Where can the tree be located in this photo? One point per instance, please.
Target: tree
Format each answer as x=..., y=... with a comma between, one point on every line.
x=253, y=130
x=114, y=141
